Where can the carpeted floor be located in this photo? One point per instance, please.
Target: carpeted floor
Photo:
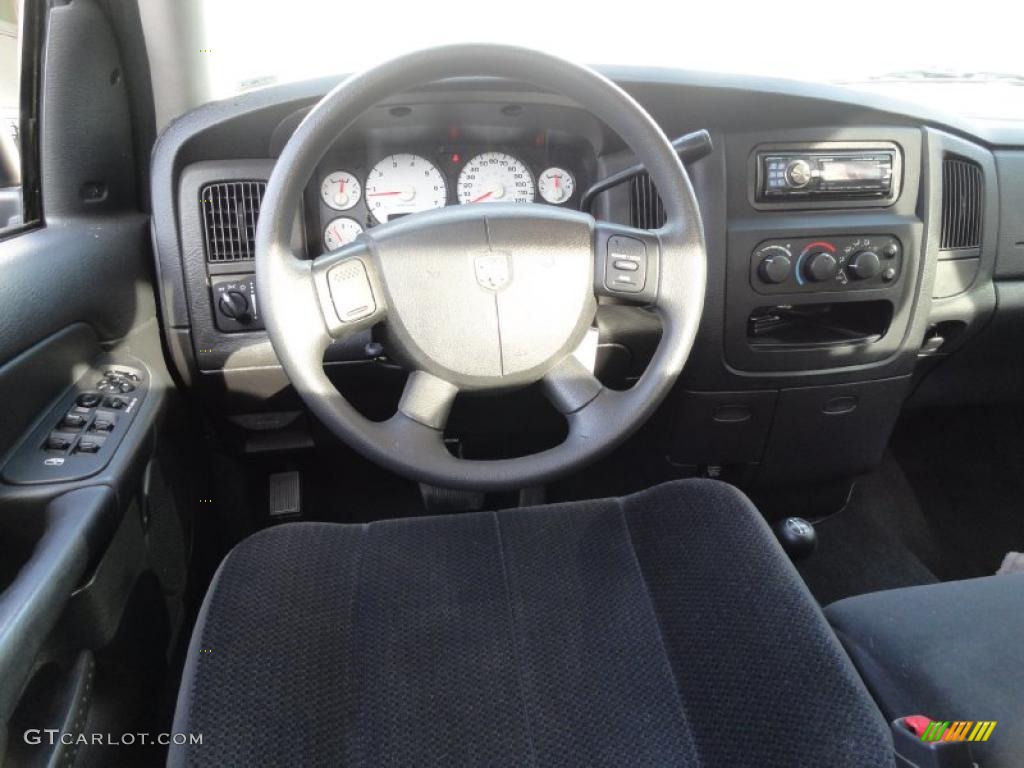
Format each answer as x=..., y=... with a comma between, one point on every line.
x=947, y=503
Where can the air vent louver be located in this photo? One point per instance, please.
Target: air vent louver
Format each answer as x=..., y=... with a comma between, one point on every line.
x=230, y=210
x=646, y=210
x=961, y=204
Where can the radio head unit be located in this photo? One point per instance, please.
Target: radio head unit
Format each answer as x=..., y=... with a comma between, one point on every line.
x=819, y=174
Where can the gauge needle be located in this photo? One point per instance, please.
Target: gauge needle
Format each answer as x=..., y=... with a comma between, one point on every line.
x=384, y=194
x=482, y=197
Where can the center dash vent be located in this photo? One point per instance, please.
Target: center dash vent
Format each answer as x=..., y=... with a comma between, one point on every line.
x=646, y=211
x=230, y=211
x=962, y=184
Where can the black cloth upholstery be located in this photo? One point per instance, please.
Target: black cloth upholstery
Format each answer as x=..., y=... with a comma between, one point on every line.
x=952, y=651
x=663, y=628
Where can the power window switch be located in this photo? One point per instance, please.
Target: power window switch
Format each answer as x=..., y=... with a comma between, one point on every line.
x=90, y=444
x=115, y=403
x=74, y=420
x=59, y=441
x=105, y=421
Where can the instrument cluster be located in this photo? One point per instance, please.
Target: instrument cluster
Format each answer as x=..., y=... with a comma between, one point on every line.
x=357, y=193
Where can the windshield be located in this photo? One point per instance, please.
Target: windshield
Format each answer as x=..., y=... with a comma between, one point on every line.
x=958, y=59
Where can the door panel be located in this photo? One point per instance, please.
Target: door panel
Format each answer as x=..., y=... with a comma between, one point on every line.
x=84, y=617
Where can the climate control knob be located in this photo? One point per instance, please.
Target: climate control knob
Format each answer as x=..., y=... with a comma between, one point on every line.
x=820, y=266
x=864, y=265
x=233, y=304
x=775, y=267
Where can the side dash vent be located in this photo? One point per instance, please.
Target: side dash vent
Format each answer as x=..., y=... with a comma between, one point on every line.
x=962, y=185
x=646, y=211
x=230, y=211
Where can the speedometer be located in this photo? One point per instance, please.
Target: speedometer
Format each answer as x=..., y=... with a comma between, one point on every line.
x=495, y=177
x=404, y=183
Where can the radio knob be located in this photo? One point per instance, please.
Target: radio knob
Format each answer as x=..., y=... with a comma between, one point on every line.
x=820, y=266
x=775, y=268
x=798, y=173
x=864, y=265
x=233, y=304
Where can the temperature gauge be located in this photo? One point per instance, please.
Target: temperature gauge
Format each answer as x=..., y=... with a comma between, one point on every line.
x=341, y=231
x=556, y=185
x=340, y=190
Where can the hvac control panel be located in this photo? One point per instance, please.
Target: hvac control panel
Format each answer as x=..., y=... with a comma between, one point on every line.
x=819, y=264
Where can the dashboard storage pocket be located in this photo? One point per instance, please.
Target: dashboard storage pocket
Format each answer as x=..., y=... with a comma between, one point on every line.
x=722, y=428
x=821, y=433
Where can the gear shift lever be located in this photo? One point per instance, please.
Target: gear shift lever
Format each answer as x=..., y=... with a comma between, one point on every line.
x=797, y=537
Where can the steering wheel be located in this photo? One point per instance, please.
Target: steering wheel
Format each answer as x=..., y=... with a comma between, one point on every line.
x=481, y=297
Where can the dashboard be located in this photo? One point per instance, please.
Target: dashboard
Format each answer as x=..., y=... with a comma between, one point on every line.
x=861, y=253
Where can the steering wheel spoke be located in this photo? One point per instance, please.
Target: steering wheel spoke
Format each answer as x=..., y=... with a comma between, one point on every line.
x=627, y=262
x=428, y=399
x=348, y=287
x=570, y=385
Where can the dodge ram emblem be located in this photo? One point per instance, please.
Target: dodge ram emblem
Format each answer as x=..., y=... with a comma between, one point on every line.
x=493, y=270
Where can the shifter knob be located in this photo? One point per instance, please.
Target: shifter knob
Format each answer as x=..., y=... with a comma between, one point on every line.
x=797, y=537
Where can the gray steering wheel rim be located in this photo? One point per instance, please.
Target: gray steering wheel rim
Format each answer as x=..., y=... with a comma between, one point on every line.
x=407, y=446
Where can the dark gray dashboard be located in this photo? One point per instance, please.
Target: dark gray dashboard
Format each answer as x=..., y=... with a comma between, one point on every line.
x=797, y=367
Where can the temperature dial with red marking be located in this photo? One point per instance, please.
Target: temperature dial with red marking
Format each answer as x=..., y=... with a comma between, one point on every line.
x=556, y=185
x=820, y=266
x=817, y=262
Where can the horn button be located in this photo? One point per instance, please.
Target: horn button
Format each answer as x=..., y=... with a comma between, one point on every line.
x=488, y=297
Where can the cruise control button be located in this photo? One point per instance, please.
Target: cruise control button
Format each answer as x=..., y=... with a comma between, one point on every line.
x=626, y=264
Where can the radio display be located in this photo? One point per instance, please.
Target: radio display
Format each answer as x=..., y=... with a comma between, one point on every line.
x=853, y=170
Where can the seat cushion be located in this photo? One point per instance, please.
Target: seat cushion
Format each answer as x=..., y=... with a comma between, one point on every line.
x=952, y=651
x=663, y=628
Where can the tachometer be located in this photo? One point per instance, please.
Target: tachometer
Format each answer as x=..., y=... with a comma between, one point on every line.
x=341, y=231
x=340, y=190
x=404, y=183
x=495, y=177
x=556, y=185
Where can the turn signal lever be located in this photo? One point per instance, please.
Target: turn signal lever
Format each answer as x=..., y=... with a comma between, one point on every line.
x=690, y=147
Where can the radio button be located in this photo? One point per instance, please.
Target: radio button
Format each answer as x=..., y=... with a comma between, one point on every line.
x=798, y=173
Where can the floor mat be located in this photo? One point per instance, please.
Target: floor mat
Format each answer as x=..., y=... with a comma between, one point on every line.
x=879, y=540
x=966, y=467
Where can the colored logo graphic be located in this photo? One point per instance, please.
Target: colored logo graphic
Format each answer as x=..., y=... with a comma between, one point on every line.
x=959, y=730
